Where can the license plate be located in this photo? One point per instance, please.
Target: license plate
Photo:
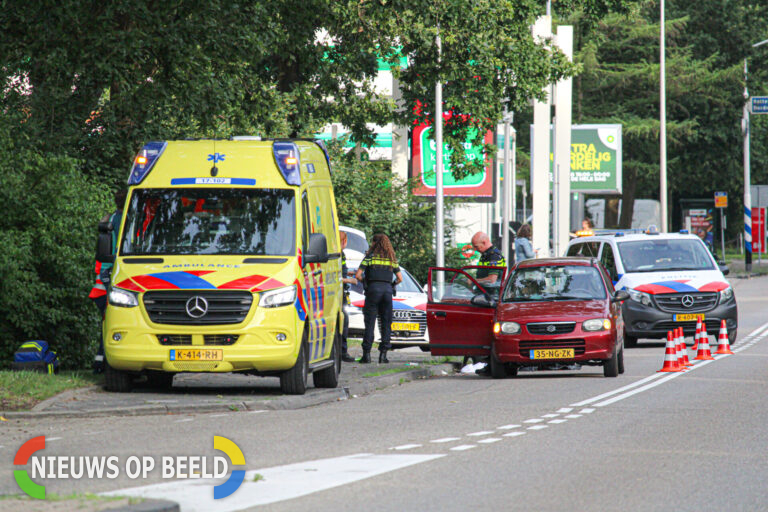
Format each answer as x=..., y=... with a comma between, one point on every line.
x=688, y=317
x=197, y=355
x=552, y=353
x=403, y=326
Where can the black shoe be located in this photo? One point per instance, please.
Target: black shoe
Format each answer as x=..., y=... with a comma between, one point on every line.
x=366, y=357
x=347, y=358
x=484, y=371
x=383, y=357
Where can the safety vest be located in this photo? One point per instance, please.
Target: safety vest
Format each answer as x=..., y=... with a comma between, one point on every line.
x=379, y=269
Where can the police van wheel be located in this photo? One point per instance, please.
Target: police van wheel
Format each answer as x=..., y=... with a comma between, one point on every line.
x=294, y=381
x=116, y=380
x=329, y=377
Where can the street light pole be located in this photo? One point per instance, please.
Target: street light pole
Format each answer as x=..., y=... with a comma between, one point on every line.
x=747, y=184
x=440, y=249
x=663, y=125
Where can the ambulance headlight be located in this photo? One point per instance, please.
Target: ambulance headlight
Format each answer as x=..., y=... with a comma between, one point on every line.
x=278, y=297
x=641, y=297
x=123, y=298
x=726, y=295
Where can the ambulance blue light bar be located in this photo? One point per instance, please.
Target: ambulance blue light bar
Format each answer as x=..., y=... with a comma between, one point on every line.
x=145, y=160
x=287, y=160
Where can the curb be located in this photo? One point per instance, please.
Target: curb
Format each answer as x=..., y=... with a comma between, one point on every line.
x=148, y=506
x=286, y=402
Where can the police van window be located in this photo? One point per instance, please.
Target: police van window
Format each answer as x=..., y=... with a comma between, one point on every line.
x=215, y=221
x=585, y=249
x=665, y=254
x=609, y=262
x=574, y=250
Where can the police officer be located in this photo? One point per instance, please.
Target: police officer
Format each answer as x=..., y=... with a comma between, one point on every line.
x=490, y=256
x=380, y=267
x=347, y=282
x=99, y=291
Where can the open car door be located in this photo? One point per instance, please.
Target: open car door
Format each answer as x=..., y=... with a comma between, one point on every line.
x=461, y=304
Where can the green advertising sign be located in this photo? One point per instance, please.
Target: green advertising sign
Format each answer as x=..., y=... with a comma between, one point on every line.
x=595, y=158
x=429, y=162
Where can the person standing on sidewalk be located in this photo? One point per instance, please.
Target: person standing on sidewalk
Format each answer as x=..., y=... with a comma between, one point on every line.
x=380, y=267
x=347, y=281
x=523, y=248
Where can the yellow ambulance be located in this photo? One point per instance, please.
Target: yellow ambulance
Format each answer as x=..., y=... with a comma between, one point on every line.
x=228, y=260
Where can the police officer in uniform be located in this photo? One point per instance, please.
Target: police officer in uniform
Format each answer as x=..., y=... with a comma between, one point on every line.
x=347, y=282
x=379, y=268
x=490, y=256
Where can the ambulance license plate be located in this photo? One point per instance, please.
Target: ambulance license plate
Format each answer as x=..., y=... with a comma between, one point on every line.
x=552, y=353
x=405, y=326
x=197, y=354
x=688, y=317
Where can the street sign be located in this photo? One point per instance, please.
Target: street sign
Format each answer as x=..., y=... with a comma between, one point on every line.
x=758, y=230
x=721, y=199
x=758, y=105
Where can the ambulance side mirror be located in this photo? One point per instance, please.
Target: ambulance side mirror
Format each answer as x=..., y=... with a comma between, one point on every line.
x=104, y=243
x=317, y=250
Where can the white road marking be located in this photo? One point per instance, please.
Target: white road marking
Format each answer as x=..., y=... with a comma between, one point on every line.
x=587, y=411
x=184, y=420
x=489, y=440
x=445, y=440
x=573, y=416
x=564, y=410
x=513, y=434
x=406, y=447
x=550, y=415
x=617, y=390
x=463, y=447
x=538, y=427
x=257, y=412
x=52, y=438
x=507, y=427
x=557, y=421
x=277, y=483
x=217, y=415
x=534, y=420
x=481, y=433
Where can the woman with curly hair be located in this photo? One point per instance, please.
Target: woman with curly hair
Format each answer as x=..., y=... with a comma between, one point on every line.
x=380, y=268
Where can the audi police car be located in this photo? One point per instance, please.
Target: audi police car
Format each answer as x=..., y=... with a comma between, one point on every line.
x=672, y=280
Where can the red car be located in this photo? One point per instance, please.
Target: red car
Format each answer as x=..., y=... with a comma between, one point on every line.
x=552, y=311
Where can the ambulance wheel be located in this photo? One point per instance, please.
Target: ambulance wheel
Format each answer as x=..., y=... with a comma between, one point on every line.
x=160, y=380
x=116, y=380
x=329, y=377
x=294, y=381
x=611, y=366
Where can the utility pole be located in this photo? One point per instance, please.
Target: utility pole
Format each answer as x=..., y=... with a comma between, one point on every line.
x=440, y=249
x=508, y=184
x=663, y=125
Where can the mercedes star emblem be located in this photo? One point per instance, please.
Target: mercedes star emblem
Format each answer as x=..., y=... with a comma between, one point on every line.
x=197, y=306
x=687, y=301
x=551, y=328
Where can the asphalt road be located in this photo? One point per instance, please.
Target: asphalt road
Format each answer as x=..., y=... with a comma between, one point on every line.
x=568, y=440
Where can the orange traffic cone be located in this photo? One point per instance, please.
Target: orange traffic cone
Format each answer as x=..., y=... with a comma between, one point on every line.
x=682, y=356
x=704, y=353
x=723, y=345
x=670, y=358
x=697, y=335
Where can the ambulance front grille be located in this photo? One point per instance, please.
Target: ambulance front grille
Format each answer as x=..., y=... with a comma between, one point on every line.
x=221, y=306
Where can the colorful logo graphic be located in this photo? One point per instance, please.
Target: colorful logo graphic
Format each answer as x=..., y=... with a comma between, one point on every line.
x=216, y=157
x=22, y=477
x=236, y=457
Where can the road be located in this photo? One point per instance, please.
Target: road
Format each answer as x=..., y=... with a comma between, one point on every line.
x=545, y=441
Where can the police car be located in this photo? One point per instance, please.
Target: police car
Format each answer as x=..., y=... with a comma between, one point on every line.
x=672, y=279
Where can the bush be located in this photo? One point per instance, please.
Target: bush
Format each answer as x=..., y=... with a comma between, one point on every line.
x=47, y=239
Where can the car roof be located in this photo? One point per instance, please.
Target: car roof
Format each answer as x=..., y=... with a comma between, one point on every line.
x=353, y=230
x=619, y=237
x=541, y=262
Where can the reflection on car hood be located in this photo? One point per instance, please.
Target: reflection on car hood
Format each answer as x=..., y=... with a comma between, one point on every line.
x=674, y=281
x=560, y=311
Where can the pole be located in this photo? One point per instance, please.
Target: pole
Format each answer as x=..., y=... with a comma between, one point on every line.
x=508, y=185
x=513, y=172
x=722, y=234
x=663, y=126
x=440, y=249
x=747, y=192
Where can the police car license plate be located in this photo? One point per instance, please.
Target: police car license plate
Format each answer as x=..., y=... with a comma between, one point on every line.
x=197, y=355
x=405, y=326
x=552, y=353
x=688, y=317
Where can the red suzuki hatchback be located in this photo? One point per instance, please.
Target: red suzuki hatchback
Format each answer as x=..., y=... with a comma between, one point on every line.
x=547, y=312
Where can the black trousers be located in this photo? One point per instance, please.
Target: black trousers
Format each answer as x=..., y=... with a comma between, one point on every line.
x=345, y=331
x=378, y=303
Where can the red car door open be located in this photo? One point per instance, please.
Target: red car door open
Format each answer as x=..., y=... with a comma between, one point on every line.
x=461, y=309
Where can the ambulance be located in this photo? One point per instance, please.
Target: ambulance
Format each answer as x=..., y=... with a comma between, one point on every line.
x=228, y=260
x=672, y=280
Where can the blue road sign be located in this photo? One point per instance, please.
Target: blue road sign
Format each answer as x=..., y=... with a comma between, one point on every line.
x=758, y=105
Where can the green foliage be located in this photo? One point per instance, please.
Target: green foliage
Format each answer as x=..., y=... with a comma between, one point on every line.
x=47, y=234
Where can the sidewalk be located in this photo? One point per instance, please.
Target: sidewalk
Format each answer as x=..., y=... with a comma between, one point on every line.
x=209, y=392
x=759, y=267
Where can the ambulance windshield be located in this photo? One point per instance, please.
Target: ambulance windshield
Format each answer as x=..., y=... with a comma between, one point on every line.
x=210, y=221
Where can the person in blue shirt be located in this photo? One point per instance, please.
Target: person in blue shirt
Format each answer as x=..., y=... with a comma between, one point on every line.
x=523, y=248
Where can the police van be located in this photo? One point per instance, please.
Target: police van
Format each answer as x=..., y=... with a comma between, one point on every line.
x=672, y=280
x=228, y=260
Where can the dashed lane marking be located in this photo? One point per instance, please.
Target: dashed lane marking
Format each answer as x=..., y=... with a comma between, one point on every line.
x=573, y=416
x=481, y=433
x=52, y=438
x=564, y=410
x=445, y=440
x=507, y=427
x=489, y=440
x=533, y=420
x=537, y=427
x=552, y=415
x=513, y=434
x=463, y=447
x=557, y=421
x=406, y=447
x=184, y=420
x=587, y=411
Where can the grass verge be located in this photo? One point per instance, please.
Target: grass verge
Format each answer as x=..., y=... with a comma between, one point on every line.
x=397, y=369
x=21, y=391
